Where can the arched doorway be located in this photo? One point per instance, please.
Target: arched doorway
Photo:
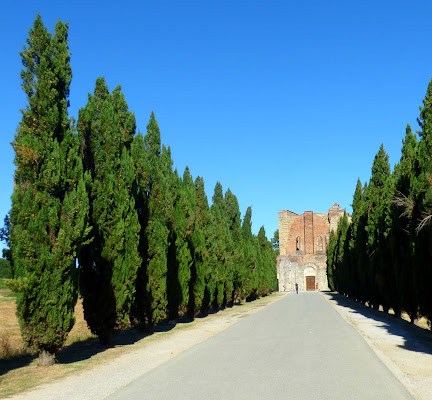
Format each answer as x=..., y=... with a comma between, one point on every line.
x=310, y=273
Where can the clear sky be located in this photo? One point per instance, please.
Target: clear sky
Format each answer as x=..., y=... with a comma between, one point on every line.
x=284, y=102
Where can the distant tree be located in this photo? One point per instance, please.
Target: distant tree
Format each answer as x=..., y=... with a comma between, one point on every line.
x=109, y=264
x=49, y=202
x=268, y=259
x=5, y=269
x=5, y=237
x=331, y=261
x=275, y=241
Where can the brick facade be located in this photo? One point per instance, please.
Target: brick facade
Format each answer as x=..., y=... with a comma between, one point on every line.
x=303, y=243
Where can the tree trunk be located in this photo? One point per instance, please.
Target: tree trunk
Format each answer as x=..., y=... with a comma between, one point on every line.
x=46, y=358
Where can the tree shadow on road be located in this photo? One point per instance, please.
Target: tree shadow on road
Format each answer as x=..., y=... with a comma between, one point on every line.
x=415, y=338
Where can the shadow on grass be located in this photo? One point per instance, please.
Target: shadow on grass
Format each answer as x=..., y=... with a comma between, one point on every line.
x=85, y=349
x=415, y=338
x=15, y=362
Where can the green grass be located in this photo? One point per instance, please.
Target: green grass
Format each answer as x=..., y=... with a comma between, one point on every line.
x=5, y=293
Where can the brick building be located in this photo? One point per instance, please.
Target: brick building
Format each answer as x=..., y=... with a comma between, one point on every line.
x=303, y=243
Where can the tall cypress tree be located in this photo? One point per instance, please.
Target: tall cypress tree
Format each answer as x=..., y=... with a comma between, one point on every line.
x=197, y=240
x=49, y=203
x=151, y=302
x=251, y=275
x=376, y=230
x=331, y=261
x=109, y=264
x=233, y=215
x=403, y=228
x=140, y=311
x=220, y=259
x=422, y=212
x=196, y=245
x=268, y=258
x=179, y=254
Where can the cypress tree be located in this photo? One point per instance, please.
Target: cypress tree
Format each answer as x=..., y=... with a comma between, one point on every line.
x=234, y=225
x=268, y=257
x=220, y=259
x=156, y=214
x=198, y=239
x=331, y=261
x=275, y=241
x=251, y=275
x=157, y=234
x=109, y=265
x=422, y=212
x=403, y=228
x=353, y=241
x=196, y=246
x=49, y=203
x=179, y=254
x=140, y=310
x=376, y=232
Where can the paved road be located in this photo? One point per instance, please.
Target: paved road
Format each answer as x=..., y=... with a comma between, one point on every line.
x=296, y=348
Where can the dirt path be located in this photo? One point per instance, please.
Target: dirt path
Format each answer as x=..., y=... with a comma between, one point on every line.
x=404, y=348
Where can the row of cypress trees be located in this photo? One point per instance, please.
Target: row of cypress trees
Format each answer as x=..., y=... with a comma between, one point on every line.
x=149, y=246
x=384, y=255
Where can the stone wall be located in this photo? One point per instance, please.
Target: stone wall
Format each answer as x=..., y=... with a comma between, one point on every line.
x=292, y=269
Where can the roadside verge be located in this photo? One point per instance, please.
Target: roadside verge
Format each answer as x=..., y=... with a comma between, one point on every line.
x=404, y=348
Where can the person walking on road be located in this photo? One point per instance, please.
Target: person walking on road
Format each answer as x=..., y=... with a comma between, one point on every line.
x=296, y=285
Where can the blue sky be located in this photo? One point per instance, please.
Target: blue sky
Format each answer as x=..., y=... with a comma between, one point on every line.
x=284, y=102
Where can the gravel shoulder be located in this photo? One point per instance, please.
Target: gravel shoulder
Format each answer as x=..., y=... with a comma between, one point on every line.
x=403, y=347
x=143, y=356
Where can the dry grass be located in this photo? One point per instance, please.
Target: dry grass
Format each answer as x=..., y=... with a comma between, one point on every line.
x=11, y=343
x=80, y=331
x=19, y=370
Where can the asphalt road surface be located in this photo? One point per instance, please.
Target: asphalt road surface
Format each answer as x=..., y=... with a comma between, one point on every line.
x=296, y=348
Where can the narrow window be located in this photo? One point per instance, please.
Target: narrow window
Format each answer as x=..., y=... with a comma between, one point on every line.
x=320, y=245
x=298, y=244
